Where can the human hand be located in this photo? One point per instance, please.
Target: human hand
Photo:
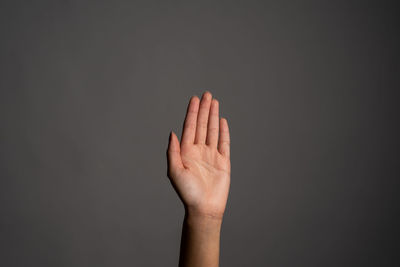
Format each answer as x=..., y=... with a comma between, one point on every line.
x=199, y=166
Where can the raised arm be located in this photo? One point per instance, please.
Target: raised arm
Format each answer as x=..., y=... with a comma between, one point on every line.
x=199, y=170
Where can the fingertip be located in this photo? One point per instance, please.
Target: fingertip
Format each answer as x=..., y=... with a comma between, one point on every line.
x=174, y=136
x=171, y=137
x=215, y=102
x=194, y=104
x=194, y=98
x=214, y=108
x=207, y=95
x=224, y=127
x=174, y=144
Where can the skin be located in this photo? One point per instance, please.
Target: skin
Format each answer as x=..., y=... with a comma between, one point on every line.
x=199, y=169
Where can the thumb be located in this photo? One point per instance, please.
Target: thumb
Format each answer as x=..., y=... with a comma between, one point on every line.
x=174, y=155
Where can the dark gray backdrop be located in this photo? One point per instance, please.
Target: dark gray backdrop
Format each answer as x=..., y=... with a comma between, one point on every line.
x=90, y=91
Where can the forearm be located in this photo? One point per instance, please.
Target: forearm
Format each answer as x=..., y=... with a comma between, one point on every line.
x=200, y=240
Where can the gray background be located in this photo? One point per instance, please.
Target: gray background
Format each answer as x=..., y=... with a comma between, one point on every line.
x=90, y=91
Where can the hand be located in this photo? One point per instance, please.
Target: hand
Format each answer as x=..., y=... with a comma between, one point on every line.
x=199, y=166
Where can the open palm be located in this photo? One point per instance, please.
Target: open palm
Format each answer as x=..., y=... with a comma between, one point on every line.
x=199, y=166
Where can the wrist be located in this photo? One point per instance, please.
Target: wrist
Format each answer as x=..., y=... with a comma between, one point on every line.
x=203, y=219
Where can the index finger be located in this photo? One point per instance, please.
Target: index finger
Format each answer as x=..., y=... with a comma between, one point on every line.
x=189, y=126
